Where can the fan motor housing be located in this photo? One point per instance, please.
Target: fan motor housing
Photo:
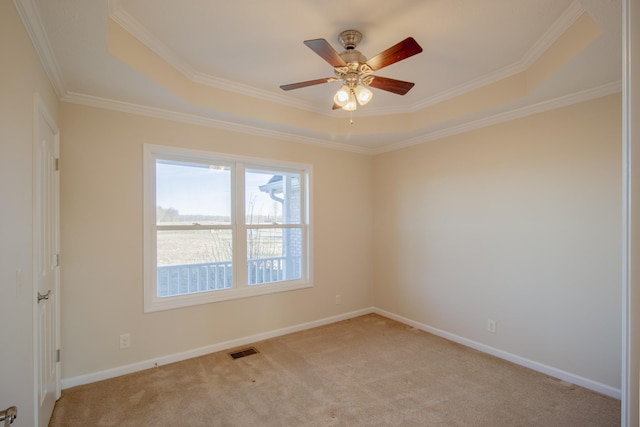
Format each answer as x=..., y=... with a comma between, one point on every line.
x=349, y=39
x=353, y=55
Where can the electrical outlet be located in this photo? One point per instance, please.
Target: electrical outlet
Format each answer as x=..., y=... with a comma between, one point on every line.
x=125, y=341
x=492, y=325
x=338, y=299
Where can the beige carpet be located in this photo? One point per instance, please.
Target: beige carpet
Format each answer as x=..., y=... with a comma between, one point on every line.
x=368, y=371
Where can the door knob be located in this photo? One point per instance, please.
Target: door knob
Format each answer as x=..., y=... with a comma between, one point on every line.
x=8, y=415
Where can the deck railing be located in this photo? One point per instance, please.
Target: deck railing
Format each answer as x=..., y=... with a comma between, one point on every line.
x=192, y=278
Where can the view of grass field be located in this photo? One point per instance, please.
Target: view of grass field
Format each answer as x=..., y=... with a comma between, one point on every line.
x=202, y=227
x=181, y=247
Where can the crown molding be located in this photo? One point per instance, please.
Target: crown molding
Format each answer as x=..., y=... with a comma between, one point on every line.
x=253, y=92
x=477, y=83
x=563, y=101
x=133, y=26
x=129, y=23
x=159, y=113
x=559, y=27
x=31, y=20
x=33, y=24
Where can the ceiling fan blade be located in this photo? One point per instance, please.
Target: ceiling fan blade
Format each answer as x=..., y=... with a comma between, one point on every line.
x=308, y=83
x=328, y=53
x=403, y=50
x=391, y=85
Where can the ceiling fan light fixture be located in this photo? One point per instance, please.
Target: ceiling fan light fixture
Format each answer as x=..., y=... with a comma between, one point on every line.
x=365, y=69
x=352, y=104
x=341, y=98
x=363, y=94
x=356, y=72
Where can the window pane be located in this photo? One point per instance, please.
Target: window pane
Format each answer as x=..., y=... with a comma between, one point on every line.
x=190, y=261
x=272, y=197
x=273, y=255
x=188, y=193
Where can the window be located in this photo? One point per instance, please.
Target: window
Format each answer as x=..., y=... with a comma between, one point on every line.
x=219, y=227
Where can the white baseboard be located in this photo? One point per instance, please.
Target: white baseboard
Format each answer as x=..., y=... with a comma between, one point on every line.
x=518, y=360
x=177, y=357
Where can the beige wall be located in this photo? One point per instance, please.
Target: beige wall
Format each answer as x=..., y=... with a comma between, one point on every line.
x=102, y=246
x=631, y=176
x=517, y=222
x=20, y=77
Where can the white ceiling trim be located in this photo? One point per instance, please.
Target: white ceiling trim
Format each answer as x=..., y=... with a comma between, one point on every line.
x=129, y=23
x=563, y=101
x=147, y=38
x=159, y=113
x=33, y=24
x=125, y=107
x=562, y=24
x=559, y=27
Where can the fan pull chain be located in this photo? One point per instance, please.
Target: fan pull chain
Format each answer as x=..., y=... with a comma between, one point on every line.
x=350, y=117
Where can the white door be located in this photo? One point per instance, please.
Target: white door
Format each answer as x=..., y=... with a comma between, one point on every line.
x=46, y=263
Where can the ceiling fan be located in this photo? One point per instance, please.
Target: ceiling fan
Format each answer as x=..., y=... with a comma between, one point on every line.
x=356, y=72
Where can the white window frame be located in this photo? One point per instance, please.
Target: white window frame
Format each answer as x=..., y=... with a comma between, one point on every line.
x=240, y=288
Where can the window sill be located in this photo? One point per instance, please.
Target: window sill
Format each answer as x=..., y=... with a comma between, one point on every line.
x=154, y=304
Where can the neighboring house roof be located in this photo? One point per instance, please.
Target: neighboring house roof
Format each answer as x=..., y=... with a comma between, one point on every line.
x=274, y=185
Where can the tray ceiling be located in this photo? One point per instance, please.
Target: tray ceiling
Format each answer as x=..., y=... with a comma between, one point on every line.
x=221, y=63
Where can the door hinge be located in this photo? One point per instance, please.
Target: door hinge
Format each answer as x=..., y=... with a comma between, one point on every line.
x=57, y=260
x=57, y=164
x=57, y=355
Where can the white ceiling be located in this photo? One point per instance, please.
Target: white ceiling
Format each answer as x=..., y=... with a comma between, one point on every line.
x=253, y=47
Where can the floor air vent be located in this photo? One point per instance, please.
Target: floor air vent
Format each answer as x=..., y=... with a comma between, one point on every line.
x=243, y=353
